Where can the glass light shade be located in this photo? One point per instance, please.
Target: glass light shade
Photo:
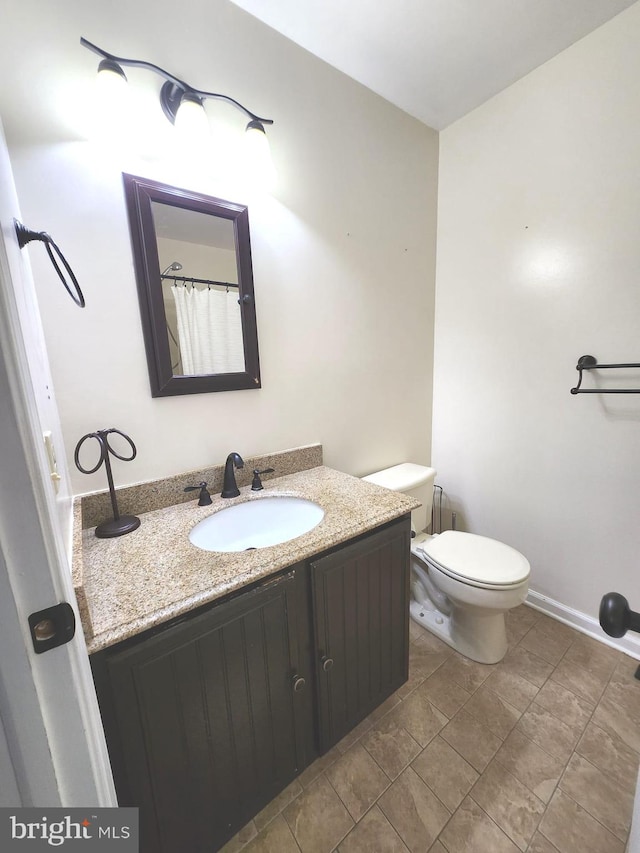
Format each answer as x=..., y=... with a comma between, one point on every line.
x=257, y=156
x=191, y=121
x=111, y=82
x=109, y=112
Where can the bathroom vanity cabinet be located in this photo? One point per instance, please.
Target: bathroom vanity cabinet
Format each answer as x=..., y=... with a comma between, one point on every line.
x=210, y=716
x=360, y=595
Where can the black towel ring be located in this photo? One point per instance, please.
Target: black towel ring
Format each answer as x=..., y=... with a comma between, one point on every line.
x=26, y=235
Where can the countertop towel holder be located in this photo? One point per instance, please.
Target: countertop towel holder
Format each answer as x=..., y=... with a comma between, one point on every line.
x=119, y=524
x=589, y=362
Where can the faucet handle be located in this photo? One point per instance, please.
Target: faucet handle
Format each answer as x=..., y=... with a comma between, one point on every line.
x=204, y=499
x=256, y=484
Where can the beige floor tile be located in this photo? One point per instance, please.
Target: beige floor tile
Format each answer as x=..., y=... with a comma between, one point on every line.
x=539, y=844
x=471, y=830
x=618, y=713
x=317, y=818
x=609, y=754
x=437, y=848
x=516, y=629
x=414, y=811
x=422, y=663
x=571, y=829
x=580, y=681
x=276, y=837
x=357, y=780
x=240, y=839
x=277, y=804
x=595, y=657
x=529, y=763
x=565, y=705
x=391, y=746
x=466, y=673
x=550, y=733
x=374, y=832
x=625, y=671
x=517, y=691
x=446, y=772
x=354, y=735
x=415, y=631
x=419, y=717
x=432, y=643
x=444, y=693
x=388, y=705
x=509, y=803
x=555, y=628
x=471, y=739
x=427, y=653
x=550, y=647
x=515, y=632
x=492, y=711
x=525, y=613
x=313, y=771
x=599, y=794
x=527, y=665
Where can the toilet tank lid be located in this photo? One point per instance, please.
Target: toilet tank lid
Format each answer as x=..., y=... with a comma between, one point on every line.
x=403, y=477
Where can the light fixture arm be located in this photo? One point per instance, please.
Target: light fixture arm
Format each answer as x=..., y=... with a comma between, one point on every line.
x=173, y=90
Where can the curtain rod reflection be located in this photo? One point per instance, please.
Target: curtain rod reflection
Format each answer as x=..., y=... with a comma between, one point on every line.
x=189, y=280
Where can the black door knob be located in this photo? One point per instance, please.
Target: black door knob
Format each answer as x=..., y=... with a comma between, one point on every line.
x=616, y=618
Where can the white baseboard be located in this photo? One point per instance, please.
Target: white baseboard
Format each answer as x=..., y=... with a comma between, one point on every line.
x=629, y=644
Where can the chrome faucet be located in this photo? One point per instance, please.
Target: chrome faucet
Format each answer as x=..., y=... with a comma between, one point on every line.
x=229, y=486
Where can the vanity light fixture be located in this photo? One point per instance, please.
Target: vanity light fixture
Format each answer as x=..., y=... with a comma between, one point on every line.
x=180, y=102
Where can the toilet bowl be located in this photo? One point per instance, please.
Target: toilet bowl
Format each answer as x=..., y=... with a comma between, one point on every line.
x=462, y=584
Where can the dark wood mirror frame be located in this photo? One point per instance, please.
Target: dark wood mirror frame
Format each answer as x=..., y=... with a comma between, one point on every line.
x=140, y=193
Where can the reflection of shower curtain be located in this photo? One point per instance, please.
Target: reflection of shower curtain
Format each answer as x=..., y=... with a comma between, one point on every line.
x=209, y=330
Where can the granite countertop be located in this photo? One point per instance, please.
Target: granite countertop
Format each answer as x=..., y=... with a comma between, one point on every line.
x=131, y=583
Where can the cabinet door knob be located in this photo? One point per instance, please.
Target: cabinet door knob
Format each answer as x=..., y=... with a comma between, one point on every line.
x=298, y=683
x=327, y=663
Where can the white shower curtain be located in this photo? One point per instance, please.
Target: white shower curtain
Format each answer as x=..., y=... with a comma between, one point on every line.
x=209, y=330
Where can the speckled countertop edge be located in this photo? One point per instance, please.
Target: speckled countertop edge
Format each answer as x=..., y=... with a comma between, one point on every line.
x=135, y=582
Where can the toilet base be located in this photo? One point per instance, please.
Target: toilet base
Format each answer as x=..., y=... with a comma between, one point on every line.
x=479, y=636
x=432, y=620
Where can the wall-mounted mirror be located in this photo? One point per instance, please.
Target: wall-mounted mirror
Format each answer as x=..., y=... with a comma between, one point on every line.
x=192, y=257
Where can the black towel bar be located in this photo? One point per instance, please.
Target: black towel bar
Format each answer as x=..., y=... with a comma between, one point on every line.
x=588, y=362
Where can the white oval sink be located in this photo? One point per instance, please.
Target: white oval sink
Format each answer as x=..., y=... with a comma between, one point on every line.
x=256, y=524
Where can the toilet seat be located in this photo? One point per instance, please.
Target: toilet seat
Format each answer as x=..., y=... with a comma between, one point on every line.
x=475, y=560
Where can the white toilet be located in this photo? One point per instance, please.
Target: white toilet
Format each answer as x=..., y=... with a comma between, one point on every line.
x=461, y=584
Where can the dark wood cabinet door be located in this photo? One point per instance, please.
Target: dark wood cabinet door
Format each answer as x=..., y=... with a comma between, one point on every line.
x=206, y=723
x=361, y=616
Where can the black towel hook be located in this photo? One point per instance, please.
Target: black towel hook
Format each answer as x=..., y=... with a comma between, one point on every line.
x=26, y=235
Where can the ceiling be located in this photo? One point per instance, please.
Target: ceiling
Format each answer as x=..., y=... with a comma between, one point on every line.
x=435, y=59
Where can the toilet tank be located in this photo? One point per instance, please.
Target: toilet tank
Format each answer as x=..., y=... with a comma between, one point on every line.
x=411, y=479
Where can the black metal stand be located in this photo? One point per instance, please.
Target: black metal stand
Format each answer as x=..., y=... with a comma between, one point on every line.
x=119, y=524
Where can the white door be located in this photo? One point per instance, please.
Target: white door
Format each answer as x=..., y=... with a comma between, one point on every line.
x=52, y=748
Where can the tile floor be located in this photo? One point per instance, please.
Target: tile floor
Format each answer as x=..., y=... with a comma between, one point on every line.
x=538, y=753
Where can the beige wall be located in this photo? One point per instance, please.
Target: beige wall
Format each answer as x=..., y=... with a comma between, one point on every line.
x=343, y=251
x=538, y=264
